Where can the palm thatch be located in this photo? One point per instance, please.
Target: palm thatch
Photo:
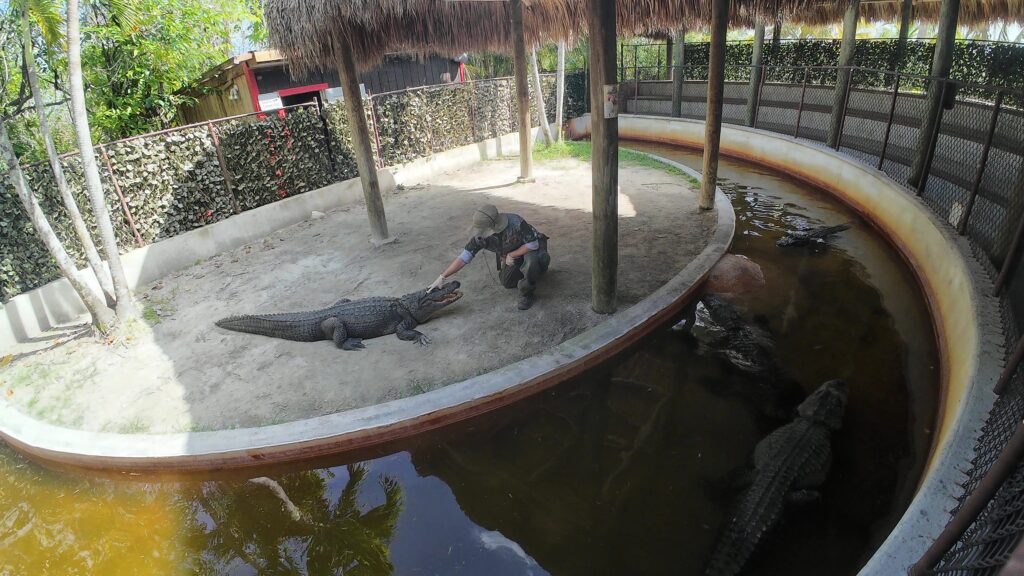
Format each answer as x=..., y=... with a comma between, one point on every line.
x=971, y=11
x=311, y=32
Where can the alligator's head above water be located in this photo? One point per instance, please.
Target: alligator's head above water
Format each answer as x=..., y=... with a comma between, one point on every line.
x=423, y=304
x=826, y=404
x=792, y=239
x=722, y=313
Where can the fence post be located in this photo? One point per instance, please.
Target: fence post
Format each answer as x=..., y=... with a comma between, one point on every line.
x=888, y=125
x=962, y=228
x=800, y=107
x=322, y=113
x=224, y=172
x=1011, y=255
x=120, y=197
x=472, y=111
x=933, y=141
x=845, y=109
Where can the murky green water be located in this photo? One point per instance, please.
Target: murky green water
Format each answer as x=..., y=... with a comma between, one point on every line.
x=624, y=471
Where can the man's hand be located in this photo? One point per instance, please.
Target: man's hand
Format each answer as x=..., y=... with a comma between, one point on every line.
x=510, y=260
x=436, y=284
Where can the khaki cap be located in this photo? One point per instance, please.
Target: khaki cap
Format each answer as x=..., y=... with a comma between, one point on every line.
x=487, y=220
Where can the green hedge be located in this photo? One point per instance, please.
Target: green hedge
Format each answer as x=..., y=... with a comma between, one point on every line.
x=173, y=182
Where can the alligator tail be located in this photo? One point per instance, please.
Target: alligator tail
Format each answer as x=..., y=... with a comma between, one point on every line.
x=755, y=515
x=829, y=230
x=300, y=331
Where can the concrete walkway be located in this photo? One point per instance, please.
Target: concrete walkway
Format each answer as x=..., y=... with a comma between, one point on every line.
x=180, y=373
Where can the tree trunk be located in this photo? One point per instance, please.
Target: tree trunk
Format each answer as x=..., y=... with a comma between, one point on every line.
x=678, y=61
x=93, y=185
x=519, y=57
x=560, y=91
x=102, y=317
x=538, y=92
x=88, y=247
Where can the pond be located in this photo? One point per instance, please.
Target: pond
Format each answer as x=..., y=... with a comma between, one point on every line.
x=625, y=470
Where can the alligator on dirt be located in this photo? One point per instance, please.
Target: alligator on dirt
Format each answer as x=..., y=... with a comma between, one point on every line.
x=348, y=322
x=788, y=464
x=805, y=237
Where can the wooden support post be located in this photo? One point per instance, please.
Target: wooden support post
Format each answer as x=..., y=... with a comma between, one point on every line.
x=906, y=13
x=605, y=156
x=942, y=61
x=669, y=51
x=678, y=61
x=716, y=88
x=756, y=73
x=522, y=92
x=980, y=172
x=361, y=144
x=843, y=75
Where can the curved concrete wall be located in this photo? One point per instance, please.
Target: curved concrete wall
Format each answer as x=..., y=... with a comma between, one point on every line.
x=966, y=319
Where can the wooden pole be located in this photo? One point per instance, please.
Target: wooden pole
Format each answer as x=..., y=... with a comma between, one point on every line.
x=756, y=73
x=522, y=92
x=678, y=61
x=560, y=91
x=716, y=87
x=942, y=61
x=906, y=13
x=846, y=52
x=605, y=156
x=669, y=51
x=361, y=144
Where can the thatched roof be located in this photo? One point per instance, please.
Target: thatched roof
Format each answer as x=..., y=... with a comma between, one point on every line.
x=971, y=11
x=307, y=31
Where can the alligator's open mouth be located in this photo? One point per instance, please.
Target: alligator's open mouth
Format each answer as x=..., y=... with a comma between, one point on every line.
x=449, y=297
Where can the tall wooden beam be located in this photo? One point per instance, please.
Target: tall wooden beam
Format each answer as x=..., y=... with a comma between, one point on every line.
x=846, y=52
x=942, y=61
x=605, y=155
x=361, y=144
x=906, y=13
x=669, y=52
x=716, y=87
x=756, y=73
x=522, y=92
x=678, y=61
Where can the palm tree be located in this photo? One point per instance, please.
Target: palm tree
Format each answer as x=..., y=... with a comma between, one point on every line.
x=305, y=532
x=94, y=186
x=545, y=128
x=47, y=16
x=102, y=317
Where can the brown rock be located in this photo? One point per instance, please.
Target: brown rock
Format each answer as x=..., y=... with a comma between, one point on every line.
x=734, y=274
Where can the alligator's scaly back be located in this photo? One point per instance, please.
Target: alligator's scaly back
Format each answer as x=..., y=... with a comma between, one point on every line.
x=826, y=231
x=794, y=456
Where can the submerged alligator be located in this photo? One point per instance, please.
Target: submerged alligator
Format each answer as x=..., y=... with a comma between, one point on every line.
x=348, y=322
x=746, y=347
x=805, y=237
x=788, y=464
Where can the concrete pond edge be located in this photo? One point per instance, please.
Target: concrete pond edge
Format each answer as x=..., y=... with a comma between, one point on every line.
x=369, y=426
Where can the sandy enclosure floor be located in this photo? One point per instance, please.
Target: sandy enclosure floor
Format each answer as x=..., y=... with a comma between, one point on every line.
x=181, y=373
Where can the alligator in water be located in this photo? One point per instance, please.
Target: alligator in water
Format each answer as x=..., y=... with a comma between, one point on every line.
x=348, y=322
x=788, y=465
x=746, y=347
x=805, y=237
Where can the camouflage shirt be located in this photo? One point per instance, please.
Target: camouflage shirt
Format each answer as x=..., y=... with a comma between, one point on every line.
x=517, y=233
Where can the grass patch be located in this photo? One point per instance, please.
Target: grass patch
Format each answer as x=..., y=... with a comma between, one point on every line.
x=150, y=315
x=134, y=426
x=582, y=151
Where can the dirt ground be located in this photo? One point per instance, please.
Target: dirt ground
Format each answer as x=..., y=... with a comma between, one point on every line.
x=181, y=373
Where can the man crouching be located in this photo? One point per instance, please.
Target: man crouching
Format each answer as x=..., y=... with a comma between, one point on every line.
x=520, y=250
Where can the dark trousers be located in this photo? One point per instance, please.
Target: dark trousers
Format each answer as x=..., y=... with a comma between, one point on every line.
x=526, y=270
